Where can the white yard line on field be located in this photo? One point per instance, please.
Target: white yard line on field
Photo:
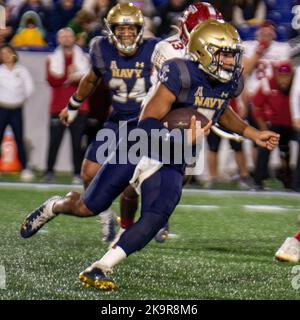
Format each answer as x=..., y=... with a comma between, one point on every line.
x=213, y=193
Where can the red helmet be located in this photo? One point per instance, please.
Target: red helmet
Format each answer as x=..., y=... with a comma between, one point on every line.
x=195, y=14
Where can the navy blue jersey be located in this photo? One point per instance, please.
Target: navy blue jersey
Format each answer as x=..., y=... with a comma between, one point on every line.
x=195, y=89
x=128, y=78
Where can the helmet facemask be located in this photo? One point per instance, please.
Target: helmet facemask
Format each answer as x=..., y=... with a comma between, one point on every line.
x=122, y=46
x=218, y=69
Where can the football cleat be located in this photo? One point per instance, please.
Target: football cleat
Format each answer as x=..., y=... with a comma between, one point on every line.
x=108, y=223
x=289, y=251
x=96, y=277
x=37, y=218
x=162, y=234
x=117, y=238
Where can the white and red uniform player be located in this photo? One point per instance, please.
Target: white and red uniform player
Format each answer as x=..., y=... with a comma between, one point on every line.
x=175, y=46
x=271, y=51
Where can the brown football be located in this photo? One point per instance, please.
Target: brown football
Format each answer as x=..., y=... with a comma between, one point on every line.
x=181, y=118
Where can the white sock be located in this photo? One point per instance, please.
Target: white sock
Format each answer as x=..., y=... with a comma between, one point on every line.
x=112, y=257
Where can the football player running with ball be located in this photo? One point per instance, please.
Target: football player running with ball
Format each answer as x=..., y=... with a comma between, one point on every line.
x=169, y=48
x=206, y=81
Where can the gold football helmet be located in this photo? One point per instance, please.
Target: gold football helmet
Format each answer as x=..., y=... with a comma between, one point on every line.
x=125, y=14
x=209, y=42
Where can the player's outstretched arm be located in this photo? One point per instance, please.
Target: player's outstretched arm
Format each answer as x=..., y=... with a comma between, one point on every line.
x=87, y=85
x=231, y=121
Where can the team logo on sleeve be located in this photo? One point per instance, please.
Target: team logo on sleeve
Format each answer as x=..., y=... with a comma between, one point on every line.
x=163, y=74
x=140, y=65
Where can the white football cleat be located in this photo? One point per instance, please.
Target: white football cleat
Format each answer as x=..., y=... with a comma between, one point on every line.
x=38, y=217
x=289, y=251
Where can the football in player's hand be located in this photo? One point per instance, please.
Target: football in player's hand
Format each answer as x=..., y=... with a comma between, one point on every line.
x=181, y=118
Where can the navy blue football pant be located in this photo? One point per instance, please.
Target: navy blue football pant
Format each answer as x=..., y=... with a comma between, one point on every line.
x=113, y=124
x=160, y=194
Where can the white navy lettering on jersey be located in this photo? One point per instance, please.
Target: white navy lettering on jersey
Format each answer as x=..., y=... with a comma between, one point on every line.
x=193, y=88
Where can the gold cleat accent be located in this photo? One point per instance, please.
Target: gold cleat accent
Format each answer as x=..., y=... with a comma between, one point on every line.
x=104, y=285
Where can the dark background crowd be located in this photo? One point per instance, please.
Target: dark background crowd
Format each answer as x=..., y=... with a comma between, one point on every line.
x=85, y=17
x=32, y=25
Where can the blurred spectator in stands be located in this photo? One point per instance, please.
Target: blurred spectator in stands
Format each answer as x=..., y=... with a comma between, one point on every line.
x=260, y=54
x=98, y=8
x=32, y=5
x=83, y=25
x=7, y=32
x=295, y=112
x=252, y=12
x=16, y=85
x=30, y=32
x=61, y=14
x=146, y=6
x=271, y=110
x=169, y=14
x=245, y=182
x=65, y=67
x=158, y=3
x=225, y=7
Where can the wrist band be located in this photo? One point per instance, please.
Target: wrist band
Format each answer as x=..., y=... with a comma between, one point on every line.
x=74, y=103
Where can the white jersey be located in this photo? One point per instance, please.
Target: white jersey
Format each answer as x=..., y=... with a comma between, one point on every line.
x=278, y=51
x=164, y=50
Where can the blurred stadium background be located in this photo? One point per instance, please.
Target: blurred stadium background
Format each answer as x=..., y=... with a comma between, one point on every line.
x=223, y=241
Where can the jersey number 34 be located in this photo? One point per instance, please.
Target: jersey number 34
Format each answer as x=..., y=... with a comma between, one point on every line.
x=122, y=95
